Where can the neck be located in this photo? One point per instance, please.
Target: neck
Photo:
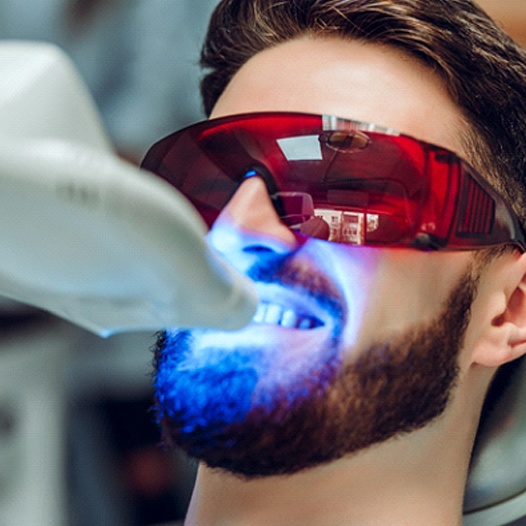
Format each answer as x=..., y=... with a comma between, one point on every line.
x=415, y=479
x=388, y=484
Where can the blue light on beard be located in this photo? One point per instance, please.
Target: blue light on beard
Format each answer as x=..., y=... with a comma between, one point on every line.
x=205, y=399
x=204, y=396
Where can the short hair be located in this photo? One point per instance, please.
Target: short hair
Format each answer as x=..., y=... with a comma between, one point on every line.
x=483, y=69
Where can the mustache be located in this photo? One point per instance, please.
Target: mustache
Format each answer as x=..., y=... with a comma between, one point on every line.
x=299, y=276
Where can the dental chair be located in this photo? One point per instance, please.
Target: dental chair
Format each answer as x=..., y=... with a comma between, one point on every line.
x=112, y=249
x=496, y=488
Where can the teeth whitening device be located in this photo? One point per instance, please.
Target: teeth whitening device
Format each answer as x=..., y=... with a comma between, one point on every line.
x=87, y=236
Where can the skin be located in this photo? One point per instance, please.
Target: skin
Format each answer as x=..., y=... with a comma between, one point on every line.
x=417, y=478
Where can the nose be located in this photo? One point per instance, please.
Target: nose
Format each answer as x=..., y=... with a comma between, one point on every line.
x=249, y=227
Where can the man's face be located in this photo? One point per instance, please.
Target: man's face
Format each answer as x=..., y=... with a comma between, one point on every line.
x=350, y=345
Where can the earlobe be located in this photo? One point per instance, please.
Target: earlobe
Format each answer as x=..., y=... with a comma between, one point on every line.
x=502, y=302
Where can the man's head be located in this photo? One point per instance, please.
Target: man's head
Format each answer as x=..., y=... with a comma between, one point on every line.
x=351, y=345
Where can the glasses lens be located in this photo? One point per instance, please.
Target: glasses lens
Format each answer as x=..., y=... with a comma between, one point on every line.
x=368, y=185
x=365, y=186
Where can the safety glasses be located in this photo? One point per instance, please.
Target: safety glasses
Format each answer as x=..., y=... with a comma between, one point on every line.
x=339, y=180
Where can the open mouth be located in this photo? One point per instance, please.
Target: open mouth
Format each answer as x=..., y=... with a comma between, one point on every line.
x=273, y=314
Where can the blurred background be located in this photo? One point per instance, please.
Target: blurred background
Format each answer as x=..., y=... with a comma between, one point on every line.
x=78, y=442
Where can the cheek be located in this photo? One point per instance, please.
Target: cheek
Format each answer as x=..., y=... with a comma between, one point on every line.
x=410, y=288
x=354, y=271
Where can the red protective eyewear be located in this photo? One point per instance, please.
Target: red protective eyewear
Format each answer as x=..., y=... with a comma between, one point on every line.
x=339, y=180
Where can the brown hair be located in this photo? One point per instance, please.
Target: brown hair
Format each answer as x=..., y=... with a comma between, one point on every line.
x=482, y=68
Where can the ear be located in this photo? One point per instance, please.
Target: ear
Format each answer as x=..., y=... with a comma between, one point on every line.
x=500, y=311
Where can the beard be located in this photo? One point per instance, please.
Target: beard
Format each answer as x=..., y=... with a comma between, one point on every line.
x=222, y=411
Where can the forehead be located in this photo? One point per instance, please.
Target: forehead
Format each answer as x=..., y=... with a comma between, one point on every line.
x=351, y=79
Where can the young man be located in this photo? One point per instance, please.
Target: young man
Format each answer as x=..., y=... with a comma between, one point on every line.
x=354, y=395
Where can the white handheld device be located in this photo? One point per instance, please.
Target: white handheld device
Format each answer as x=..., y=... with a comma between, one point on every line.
x=87, y=236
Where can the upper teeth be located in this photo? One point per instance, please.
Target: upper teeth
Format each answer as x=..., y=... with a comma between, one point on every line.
x=275, y=315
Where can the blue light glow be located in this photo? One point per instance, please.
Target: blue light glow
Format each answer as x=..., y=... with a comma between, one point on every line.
x=215, y=385
x=203, y=399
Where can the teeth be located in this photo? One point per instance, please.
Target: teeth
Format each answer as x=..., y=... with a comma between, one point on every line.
x=273, y=314
x=260, y=313
x=289, y=319
x=305, y=323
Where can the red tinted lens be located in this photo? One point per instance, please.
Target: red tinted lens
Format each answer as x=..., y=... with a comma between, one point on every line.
x=340, y=169
x=369, y=187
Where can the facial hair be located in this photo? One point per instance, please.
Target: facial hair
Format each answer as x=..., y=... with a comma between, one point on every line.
x=219, y=413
